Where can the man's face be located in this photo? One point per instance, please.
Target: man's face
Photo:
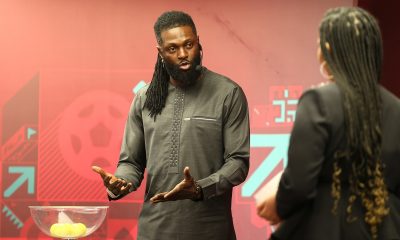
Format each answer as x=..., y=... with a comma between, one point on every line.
x=180, y=51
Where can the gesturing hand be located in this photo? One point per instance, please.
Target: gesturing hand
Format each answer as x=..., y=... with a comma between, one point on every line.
x=267, y=210
x=186, y=189
x=266, y=200
x=116, y=185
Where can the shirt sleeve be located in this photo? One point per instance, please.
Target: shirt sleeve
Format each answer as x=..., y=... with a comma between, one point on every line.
x=236, y=137
x=305, y=156
x=132, y=160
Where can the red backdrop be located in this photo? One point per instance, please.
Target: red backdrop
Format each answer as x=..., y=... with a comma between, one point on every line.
x=69, y=69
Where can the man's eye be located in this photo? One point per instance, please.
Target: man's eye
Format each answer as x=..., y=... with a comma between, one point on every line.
x=189, y=45
x=171, y=49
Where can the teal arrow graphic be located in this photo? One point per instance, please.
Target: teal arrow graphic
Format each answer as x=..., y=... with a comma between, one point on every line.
x=27, y=174
x=30, y=132
x=139, y=86
x=280, y=143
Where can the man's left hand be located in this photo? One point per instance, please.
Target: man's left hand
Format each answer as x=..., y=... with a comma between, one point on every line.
x=186, y=189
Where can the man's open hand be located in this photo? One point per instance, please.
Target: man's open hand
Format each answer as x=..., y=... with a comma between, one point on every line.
x=115, y=185
x=186, y=189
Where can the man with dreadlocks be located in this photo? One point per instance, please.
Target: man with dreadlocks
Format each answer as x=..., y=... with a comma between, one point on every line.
x=342, y=180
x=189, y=128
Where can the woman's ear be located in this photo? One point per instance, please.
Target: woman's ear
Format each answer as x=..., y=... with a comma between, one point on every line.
x=320, y=57
x=328, y=46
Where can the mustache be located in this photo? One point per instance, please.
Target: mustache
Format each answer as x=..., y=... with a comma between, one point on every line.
x=184, y=62
x=187, y=77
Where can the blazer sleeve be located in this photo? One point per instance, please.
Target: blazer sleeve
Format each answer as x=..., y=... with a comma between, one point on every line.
x=305, y=155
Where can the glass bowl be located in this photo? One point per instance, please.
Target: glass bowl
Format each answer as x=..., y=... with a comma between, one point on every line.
x=68, y=222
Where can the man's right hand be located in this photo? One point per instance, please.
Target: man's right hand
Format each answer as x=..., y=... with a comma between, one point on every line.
x=115, y=185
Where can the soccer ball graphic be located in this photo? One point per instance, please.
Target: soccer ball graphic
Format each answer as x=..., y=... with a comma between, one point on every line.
x=91, y=131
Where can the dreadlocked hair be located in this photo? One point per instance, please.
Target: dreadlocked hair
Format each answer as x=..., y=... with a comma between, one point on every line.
x=157, y=92
x=351, y=44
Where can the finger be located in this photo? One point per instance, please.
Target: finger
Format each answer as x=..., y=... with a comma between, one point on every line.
x=100, y=171
x=154, y=198
x=126, y=189
x=274, y=222
x=115, y=189
x=157, y=198
x=115, y=183
x=260, y=210
x=169, y=195
x=107, y=180
x=186, y=172
x=264, y=214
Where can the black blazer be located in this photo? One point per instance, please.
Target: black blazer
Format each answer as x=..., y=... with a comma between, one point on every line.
x=304, y=199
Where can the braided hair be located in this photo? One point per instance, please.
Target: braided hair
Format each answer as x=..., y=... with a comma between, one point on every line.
x=351, y=44
x=157, y=92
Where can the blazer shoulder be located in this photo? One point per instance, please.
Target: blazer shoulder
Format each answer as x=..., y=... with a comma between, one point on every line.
x=329, y=90
x=390, y=99
x=327, y=95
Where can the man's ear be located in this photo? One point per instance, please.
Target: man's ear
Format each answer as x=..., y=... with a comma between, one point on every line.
x=198, y=42
x=159, y=51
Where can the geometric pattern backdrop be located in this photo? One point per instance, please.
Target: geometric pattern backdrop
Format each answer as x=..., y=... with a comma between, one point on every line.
x=70, y=69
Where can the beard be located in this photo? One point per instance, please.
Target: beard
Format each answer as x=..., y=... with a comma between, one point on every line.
x=184, y=77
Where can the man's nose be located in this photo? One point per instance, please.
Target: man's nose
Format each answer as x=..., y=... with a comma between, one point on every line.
x=182, y=53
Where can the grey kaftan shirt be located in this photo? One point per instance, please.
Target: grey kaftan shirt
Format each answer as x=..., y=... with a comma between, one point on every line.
x=205, y=127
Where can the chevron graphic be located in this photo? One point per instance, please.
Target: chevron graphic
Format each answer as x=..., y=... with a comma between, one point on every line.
x=12, y=217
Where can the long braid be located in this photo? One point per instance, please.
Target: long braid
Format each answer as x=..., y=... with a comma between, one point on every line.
x=354, y=57
x=157, y=92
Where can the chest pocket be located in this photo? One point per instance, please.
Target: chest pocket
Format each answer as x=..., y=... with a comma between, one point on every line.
x=204, y=128
x=203, y=122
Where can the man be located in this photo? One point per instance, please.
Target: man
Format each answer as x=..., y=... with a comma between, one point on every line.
x=189, y=123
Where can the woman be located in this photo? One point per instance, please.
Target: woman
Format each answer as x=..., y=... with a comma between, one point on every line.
x=343, y=175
